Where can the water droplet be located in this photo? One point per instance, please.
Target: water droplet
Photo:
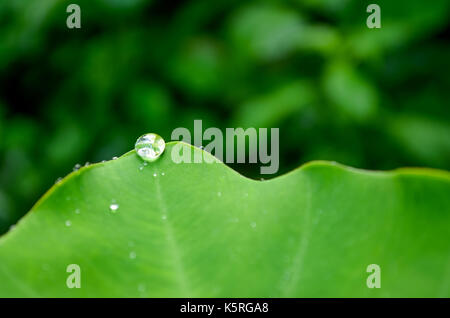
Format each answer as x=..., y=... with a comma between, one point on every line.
x=150, y=146
x=103, y=161
x=58, y=180
x=141, y=168
x=87, y=164
x=76, y=167
x=68, y=223
x=12, y=227
x=132, y=255
x=115, y=158
x=155, y=174
x=164, y=217
x=141, y=288
x=145, y=163
x=253, y=224
x=262, y=179
x=219, y=194
x=114, y=207
x=77, y=211
x=162, y=173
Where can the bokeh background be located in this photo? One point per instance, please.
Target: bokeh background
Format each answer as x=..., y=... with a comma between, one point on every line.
x=368, y=98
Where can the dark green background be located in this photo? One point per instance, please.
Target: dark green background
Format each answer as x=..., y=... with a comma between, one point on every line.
x=375, y=99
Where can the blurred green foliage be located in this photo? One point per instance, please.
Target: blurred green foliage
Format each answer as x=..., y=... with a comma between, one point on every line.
x=370, y=98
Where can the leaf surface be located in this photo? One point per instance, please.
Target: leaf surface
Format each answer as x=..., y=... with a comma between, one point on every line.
x=203, y=230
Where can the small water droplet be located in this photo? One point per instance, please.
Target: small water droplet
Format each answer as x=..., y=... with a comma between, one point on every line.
x=145, y=163
x=150, y=146
x=262, y=179
x=77, y=211
x=253, y=224
x=103, y=161
x=58, y=180
x=76, y=167
x=12, y=227
x=87, y=164
x=68, y=223
x=219, y=194
x=155, y=174
x=114, y=207
x=141, y=288
x=115, y=158
x=132, y=255
x=141, y=168
x=164, y=217
x=162, y=173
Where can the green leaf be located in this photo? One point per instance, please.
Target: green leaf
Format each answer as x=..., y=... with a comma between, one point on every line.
x=203, y=230
x=270, y=109
x=339, y=80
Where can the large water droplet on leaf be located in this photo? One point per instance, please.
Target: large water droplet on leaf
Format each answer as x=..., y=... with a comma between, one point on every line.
x=150, y=146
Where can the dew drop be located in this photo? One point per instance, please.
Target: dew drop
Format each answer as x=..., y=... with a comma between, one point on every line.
x=132, y=255
x=87, y=164
x=155, y=174
x=68, y=223
x=150, y=146
x=253, y=224
x=145, y=163
x=141, y=168
x=114, y=207
x=114, y=158
x=76, y=167
x=164, y=217
x=162, y=173
x=219, y=194
x=141, y=288
x=58, y=180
